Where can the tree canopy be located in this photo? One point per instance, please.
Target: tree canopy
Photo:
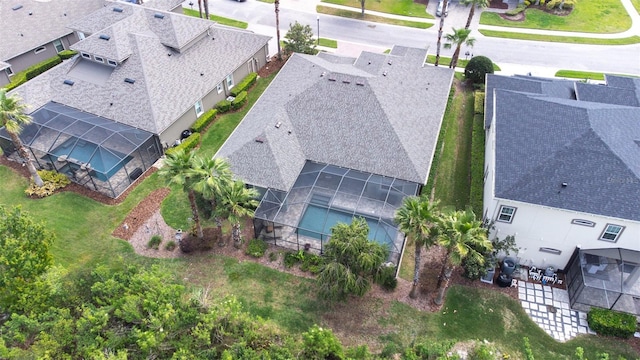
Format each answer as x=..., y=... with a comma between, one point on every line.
x=300, y=39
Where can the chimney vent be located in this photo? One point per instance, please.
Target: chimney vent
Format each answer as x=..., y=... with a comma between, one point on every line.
x=69, y=82
x=118, y=9
x=129, y=80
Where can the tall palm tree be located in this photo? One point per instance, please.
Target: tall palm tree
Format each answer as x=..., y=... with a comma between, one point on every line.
x=418, y=218
x=213, y=175
x=14, y=118
x=237, y=202
x=179, y=168
x=462, y=236
x=205, y=4
x=458, y=38
x=483, y=4
x=440, y=26
x=200, y=8
x=277, y=5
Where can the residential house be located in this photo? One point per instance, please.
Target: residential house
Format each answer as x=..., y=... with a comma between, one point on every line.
x=333, y=138
x=562, y=174
x=143, y=73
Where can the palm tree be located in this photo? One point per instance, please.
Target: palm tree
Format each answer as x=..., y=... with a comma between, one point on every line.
x=479, y=3
x=200, y=8
x=179, y=168
x=205, y=4
x=213, y=175
x=277, y=5
x=459, y=37
x=237, y=202
x=13, y=117
x=444, y=8
x=418, y=218
x=462, y=236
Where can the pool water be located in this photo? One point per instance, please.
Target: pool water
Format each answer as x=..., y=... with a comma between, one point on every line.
x=102, y=161
x=317, y=221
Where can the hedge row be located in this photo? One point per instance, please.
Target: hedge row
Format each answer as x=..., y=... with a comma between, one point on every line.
x=244, y=84
x=67, y=54
x=223, y=106
x=204, y=120
x=239, y=101
x=478, y=102
x=611, y=323
x=42, y=67
x=477, y=164
x=187, y=144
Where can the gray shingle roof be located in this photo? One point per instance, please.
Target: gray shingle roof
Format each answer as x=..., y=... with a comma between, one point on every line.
x=347, y=115
x=21, y=32
x=608, y=94
x=165, y=86
x=542, y=142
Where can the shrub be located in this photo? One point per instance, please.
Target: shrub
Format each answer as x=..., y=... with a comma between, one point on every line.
x=42, y=67
x=170, y=246
x=53, y=181
x=477, y=163
x=477, y=69
x=67, y=54
x=273, y=256
x=239, y=101
x=386, y=277
x=518, y=9
x=204, y=120
x=244, y=84
x=311, y=263
x=483, y=352
x=256, y=248
x=223, y=106
x=154, y=242
x=528, y=353
x=611, y=323
x=319, y=343
x=478, y=102
x=292, y=258
x=187, y=144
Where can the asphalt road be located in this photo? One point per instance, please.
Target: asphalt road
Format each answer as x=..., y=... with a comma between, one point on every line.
x=600, y=58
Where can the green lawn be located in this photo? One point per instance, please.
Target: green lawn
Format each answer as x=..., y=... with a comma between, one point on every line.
x=636, y=5
x=446, y=61
x=591, y=16
x=397, y=7
x=330, y=43
x=575, y=74
x=562, y=39
x=356, y=15
x=218, y=19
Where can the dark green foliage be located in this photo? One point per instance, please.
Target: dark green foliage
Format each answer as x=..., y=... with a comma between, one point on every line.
x=611, y=323
x=300, y=39
x=359, y=353
x=474, y=269
x=292, y=258
x=20, y=78
x=386, y=277
x=517, y=10
x=477, y=164
x=204, y=120
x=223, y=106
x=256, y=248
x=42, y=67
x=483, y=352
x=477, y=69
x=311, y=263
x=245, y=84
x=273, y=256
x=187, y=144
x=154, y=242
x=528, y=353
x=170, y=246
x=239, y=101
x=478, y=102
x=320, y=344
x=67, y=54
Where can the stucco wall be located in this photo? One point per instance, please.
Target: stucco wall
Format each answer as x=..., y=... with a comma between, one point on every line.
x=29, y=58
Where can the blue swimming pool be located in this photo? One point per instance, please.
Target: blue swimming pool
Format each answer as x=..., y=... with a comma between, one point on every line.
x=104, y=163
x=317, y=222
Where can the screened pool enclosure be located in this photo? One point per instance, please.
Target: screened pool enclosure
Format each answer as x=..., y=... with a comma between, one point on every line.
x=98, y=153
x=324, y=195
x=605, y=278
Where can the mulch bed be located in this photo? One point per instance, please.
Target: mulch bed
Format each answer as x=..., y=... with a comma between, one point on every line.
x=139, y=215
x=498, y=4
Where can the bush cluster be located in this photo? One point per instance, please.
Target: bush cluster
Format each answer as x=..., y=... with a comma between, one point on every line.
x=154, y=242
x=386, y=277
x=611, y=323
x=477, y=69
x=187, y=144
x=256, y=248
x=170, y=246
x=67, y=54
x=42, y=67
x=53, y=181
x=245, y=84
x=239, y=101
x=518, y=9
x=204, y=120
x=312, y=263
x=223, y=106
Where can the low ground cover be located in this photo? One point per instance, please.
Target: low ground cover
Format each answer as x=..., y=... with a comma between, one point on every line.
x=219, y=19
x=401, y=7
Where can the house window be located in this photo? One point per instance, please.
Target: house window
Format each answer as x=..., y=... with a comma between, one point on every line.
x=198, y=108
x=219, y=88
x=112, y=63
x=583, y=222
x=550, y=250
x=611, y=232
x=506, y=213
x=40, y=49
x=230, y=81
x=80, y=35
x=99, y=59
x=58, y=45
x=9, y=71
x=86, y=56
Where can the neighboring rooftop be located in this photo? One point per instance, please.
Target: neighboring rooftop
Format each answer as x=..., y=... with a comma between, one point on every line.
x=28, y=24
x=380, y=114
x=166, y=83
x=571, y=154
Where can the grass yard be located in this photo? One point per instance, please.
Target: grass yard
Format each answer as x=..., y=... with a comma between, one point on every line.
x=591, y=16
x=384, y=20
x=562, y=39
x=575, y=74
x=636, y=5
x=330, y=43
x=446, y=61
x=218, y=19
x=398, y=7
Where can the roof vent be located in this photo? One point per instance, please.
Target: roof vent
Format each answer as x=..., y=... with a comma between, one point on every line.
x=564, y=184
x=17, y=7
x=278, y=124
x=260, y=140
x=346, y=81
x=158, y=16
x=384, y=73
x=332, y=78
x=390, y=62
x=68, y=82
x=323, y=74
x=118, y=9
x=369, y=62
x=360, y=83
x=129, y=80
x=105, y=37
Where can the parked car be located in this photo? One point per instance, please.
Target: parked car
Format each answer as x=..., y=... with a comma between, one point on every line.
x=439, y=11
